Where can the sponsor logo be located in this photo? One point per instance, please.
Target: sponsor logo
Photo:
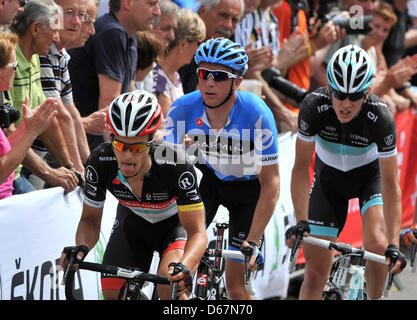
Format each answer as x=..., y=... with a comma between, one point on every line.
x=186, y=180
x=202, y=279
x=389, y=140
x=91, y=174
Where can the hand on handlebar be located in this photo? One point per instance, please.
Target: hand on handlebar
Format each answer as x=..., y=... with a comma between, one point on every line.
x=256, y=258
x=409, y=236
x=179, y=272
x=71, y=256
x=302, y=229
x=395, y=259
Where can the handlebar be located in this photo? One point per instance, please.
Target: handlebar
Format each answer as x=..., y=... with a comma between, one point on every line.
x=124, y=273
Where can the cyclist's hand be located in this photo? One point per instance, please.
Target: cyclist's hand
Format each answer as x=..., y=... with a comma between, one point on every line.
x=79, y=253
x=409, y=236
x=396, y=259
x=177, y=271
x=256, y=257
x=302, y=227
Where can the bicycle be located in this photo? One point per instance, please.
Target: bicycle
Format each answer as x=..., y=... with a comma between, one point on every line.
x=210, y=282
x=346, y=280
x=135, y=280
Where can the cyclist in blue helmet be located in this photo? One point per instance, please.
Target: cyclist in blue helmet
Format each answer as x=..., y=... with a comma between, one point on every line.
x=234, y=135
x=354, y=136
x=228, y=55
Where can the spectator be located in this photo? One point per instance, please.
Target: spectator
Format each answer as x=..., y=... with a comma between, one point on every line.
x=164, y=25
x=387, y=79
x=163, y=29
x=14, y=148
x=36, y=28
x=87, y=26
x=298, y=46
x=259, y=34
x=368, y=7
x=106, y=66
x=56, y=82
x=221, y=18
x=9, y=11
x=190, y=32
x=150, y=49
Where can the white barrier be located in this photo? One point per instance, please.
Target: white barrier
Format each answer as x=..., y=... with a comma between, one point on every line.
x=35, y=227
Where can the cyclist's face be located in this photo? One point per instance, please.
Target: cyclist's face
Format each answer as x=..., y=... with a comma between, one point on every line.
x=129, y=162
x=345, y=109
x=214, y=92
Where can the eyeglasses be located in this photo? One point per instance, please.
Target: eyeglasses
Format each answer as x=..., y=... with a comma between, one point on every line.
x=355, y=96
x=83, y=16
x=22, y=3
x=133, y=147
x=13, y=65
x=216, y=75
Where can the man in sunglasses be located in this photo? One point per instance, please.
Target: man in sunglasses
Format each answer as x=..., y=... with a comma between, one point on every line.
x=354, y=136
x=235, y=138
x=159, y=209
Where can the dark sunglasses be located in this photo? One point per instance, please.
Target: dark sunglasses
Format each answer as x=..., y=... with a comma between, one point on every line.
x=355, y=96
x=22, y=3
x=216, y=75
x=133, y=147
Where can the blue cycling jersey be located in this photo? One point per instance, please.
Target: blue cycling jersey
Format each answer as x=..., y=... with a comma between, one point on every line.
x=248, y=141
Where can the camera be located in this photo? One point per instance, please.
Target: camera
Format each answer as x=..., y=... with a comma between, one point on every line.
x=353, y=25
x=8, y=115
x=274, y=79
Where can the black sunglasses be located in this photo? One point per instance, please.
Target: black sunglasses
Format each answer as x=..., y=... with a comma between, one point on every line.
x=355, y=96
x=217, y=75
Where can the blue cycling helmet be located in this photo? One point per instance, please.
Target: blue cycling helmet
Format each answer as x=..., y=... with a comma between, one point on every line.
x=225, y=52
x=350, y=70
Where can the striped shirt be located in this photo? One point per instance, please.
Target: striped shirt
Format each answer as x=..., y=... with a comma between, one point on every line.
x=55, y=77
x=259, y=28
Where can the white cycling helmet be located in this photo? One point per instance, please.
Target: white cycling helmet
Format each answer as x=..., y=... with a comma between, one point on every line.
x=134, y=113
x=350, y=70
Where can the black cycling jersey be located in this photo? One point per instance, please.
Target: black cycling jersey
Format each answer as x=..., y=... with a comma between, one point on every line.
x=347, y=155
x=370, y=135
x=170, y=183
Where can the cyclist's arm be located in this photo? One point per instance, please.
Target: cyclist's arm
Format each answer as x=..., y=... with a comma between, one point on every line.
x=268, y=197
x=391, y=195
x=300, y=179
x=193, y=223
x=88, y=230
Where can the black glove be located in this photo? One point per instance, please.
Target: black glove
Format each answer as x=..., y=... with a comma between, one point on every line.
x=394, y=254
x=301, y=227
x=180, y=267
x=73, y=251
x=252, y=249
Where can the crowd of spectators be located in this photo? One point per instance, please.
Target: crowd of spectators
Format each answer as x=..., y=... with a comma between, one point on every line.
x=70, y=59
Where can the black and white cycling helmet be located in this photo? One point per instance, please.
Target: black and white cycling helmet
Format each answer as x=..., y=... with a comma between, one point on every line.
x=134, y=113
x=350, y=70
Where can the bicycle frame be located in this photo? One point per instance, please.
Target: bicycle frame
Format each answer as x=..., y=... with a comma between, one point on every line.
x=214, y=272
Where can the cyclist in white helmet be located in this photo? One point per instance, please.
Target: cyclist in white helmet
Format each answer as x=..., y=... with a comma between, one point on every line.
x=354, y=136
x=159, y=208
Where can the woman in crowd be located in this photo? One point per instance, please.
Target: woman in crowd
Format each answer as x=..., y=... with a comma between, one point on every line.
x=189, y=33
x=13, y=149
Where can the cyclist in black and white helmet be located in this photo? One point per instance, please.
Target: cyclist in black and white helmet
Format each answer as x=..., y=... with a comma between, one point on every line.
x=354, y=135
x=159, y=208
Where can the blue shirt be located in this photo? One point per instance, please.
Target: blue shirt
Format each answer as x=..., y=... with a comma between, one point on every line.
x=248, y=140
